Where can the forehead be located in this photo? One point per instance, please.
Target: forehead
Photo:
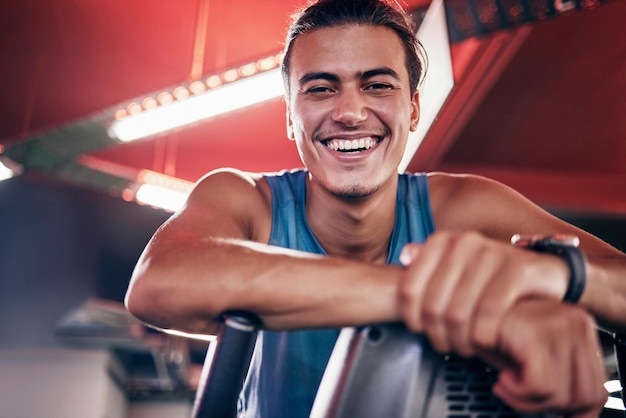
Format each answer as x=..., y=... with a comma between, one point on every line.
x=346, y=50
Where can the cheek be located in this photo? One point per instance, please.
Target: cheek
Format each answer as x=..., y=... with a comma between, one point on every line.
x=405, y=118
x=306, y=121
x=298, y=128
x=396, y=110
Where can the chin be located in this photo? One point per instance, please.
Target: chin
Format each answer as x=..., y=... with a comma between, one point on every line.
x=356, y=191
x=351, y=182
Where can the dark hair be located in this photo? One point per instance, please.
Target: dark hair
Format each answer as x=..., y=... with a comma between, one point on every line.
x=329, y=13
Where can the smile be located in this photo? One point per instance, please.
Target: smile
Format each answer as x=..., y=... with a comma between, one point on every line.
x=351, y=145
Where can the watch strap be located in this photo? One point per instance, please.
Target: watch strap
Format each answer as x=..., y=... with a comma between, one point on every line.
x=566, y=248
x=578, y=273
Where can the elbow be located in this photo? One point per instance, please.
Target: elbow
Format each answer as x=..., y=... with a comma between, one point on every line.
x=157, y=302
x=133, y=302
x=139, y=300
x=147, y=297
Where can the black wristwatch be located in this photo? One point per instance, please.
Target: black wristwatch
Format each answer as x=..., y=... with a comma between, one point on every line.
x=565, y=246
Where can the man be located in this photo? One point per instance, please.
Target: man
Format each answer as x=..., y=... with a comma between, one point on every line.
x=365, y=245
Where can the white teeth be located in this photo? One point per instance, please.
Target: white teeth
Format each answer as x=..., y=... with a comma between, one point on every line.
x=355, y=144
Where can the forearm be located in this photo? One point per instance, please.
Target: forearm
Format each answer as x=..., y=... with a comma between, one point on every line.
x=188, y=287
x=605, y=293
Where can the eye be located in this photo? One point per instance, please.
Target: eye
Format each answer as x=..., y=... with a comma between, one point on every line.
x=378, y=86
x=318, y=90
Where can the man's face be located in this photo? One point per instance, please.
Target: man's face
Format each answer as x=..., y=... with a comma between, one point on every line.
x=350, y=107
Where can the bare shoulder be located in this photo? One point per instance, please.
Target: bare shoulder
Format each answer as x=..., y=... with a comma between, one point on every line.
x=231, y=203
x=228, y=183
x=449, y=188
x=472, y=202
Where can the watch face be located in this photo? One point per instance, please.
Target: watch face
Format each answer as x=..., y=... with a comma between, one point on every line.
x=565, y=239
x=545, y=241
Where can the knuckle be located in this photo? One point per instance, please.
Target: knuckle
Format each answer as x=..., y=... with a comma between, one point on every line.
x=487, y=258
x=482, y=336
x=456, y=317
x=601, y=397
x=489, y=308
x=438, y=238
x=461, y=345
x=542, y=388
x=432, y=312
x=412, y=324
x=480, y=339
x=582, y=323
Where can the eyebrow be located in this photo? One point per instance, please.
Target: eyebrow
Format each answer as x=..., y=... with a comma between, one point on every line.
x=380, y=71
x=322, y=75
x=317, y=75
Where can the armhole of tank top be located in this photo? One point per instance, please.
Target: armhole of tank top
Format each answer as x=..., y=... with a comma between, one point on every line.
x=425, y=201
x=271, y=181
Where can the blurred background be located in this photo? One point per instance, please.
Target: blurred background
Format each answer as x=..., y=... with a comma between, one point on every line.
x=529, y=92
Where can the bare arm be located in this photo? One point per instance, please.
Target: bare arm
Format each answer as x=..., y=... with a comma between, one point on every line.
x=472, y=292
x=211, y=257
x=461, y=274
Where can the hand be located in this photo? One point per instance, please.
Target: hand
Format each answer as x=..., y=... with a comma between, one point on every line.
x=457, y=287
x=553, y=360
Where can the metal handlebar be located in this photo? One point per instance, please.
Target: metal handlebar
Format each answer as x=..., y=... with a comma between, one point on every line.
x=225, y=367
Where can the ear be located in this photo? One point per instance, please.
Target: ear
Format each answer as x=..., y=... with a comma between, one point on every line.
x=290, y=133
x=415, y=111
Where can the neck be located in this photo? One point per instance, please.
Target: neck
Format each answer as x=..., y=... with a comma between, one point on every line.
x=353, y=228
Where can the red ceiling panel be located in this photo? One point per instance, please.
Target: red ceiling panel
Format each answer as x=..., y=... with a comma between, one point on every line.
x=556, y=106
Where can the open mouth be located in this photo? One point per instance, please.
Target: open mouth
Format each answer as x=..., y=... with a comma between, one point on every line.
x=352, y=145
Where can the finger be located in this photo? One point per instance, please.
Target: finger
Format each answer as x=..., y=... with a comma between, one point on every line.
x=523, y=275
x=542, y=363
x=587, y=386
x=527, y=387
x=438, y=292
x=462, y=305
x=570, y=347
x=504, y=289
x=411, y=288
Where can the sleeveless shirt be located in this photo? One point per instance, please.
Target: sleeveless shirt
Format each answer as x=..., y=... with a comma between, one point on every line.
x=287, y=366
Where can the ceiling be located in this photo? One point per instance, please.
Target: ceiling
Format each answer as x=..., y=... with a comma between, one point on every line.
x=538, y=105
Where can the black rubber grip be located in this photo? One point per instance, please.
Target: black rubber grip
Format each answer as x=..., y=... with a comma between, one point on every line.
x=225, y=367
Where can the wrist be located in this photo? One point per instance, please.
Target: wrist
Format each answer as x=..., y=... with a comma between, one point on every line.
x=566, y=247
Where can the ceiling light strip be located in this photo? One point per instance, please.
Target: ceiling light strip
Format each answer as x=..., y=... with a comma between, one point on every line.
x=163, y=191
x=8, y=168
x=234, y=89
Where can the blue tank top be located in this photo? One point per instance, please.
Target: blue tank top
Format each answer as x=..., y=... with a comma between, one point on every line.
x=287, y=367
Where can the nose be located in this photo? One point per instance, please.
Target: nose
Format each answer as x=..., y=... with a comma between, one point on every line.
x=350, y=107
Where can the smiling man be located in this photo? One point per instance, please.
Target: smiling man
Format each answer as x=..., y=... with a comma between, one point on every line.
x=348, y=241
